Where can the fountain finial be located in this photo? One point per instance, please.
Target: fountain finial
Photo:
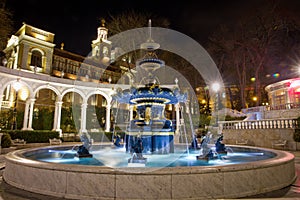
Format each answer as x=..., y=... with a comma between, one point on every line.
x=150, y=45
x=103, y=22
x=150, y=31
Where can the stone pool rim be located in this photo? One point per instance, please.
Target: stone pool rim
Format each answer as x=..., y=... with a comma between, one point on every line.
x=165, y=178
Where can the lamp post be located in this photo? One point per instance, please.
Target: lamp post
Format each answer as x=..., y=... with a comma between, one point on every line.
x=216, y=87
x=17, y=86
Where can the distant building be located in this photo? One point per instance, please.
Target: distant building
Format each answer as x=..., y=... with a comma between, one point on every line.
x=284, y=94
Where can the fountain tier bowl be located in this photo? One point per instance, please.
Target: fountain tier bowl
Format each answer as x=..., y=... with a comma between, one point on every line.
x=191, y=182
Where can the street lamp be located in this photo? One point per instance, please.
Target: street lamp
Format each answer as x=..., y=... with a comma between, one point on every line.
x=216, y=87
x=17, y=86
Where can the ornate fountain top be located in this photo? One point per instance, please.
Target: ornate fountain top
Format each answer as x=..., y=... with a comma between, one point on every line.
x=151, y=93
x=150, y=45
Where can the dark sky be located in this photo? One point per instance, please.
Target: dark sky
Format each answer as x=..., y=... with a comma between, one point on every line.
x=75, y=22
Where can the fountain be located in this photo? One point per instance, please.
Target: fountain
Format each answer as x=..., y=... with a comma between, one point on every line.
x=150, y=100
x=150, y=165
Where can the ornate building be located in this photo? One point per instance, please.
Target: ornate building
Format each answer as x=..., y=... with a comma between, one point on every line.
x=37, y=76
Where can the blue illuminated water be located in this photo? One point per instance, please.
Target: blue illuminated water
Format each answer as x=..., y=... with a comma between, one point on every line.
x=117, y=157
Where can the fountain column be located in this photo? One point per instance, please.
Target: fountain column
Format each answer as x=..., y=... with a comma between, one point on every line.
x=107, y=121
x=130, y=112
x=25, y=121
x=31, y=114
x=177, y=109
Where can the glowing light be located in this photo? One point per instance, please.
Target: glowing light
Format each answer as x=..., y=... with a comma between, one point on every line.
x=295, y=84
x=216, y=87
x=17, y=85
x=252, y=79
x=276, y=75
x=23, y=94
x=203, y=101
x=254, y=98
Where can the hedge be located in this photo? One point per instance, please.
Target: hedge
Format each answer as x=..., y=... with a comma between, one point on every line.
x=35, y=136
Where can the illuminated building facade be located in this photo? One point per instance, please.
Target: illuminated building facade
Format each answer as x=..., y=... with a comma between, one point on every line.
x=48, y=76
x=284, y=94
x=57, y=80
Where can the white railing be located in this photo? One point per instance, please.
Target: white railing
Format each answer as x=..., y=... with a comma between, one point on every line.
x=260, y=124
x=286, y=106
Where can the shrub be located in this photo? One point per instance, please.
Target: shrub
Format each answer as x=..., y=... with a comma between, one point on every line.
x=5, y=141
x=229, y=118
x=297, y=135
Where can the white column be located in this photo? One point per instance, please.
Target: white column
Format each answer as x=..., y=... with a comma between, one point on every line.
x=31, y=114
x=25, y=121
x=83, y=118
x=58, y=104
x=55, y=117
x=177, y=109
x=1, y=98
x=107, y=121
x=287, y=100
x=131, y=112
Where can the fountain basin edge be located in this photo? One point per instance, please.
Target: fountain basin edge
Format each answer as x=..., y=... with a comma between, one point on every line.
x=196, y=182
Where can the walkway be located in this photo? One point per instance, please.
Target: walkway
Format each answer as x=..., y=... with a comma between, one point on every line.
x=8, y=192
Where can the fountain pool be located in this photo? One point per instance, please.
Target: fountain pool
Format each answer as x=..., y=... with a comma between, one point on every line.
x=56, y=171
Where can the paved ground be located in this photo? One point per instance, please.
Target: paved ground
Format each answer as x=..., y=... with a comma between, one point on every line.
x=8, y=192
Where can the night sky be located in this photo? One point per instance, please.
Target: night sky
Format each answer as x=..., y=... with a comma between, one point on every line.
x=75, y=22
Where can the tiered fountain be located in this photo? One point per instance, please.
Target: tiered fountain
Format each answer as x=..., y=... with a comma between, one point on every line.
x=150, y=129
x=167, y=170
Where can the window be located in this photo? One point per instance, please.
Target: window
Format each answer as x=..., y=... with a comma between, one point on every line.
x=105, y=52
x=36, y=58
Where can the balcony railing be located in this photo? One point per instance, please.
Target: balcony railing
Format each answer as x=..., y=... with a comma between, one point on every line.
x=286, y=106
x=260, y=124
x=6, y=104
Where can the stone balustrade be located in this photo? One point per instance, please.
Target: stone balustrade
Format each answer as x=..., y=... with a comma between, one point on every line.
x=260, y=124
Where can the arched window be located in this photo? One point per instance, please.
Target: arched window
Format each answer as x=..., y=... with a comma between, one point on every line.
x=36, y=58
x=105, y=51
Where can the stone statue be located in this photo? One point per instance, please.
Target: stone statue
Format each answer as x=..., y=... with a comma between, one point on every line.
x=194, y=143
x=137, y=152
x=83, y=150
x=118, y=141
x=207, y=153
x=220, y=147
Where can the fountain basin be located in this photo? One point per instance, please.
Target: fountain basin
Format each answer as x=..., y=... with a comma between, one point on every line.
x=195, y=182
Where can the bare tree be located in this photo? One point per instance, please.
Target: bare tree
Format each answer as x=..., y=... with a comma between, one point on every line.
x=254, y=44
x=6, y=24
x=131, y=19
